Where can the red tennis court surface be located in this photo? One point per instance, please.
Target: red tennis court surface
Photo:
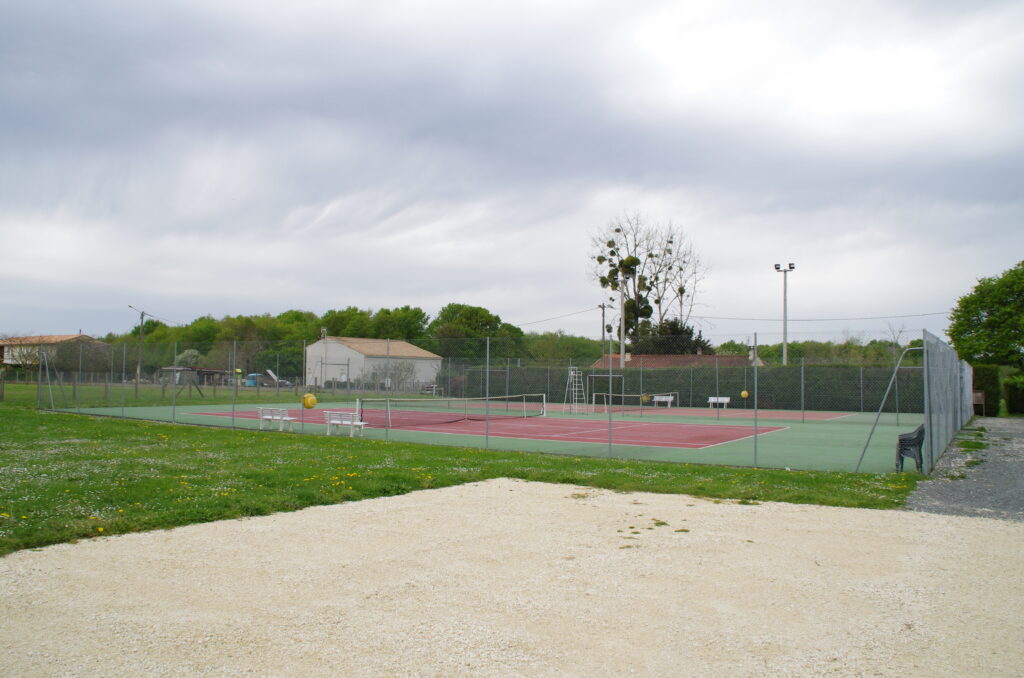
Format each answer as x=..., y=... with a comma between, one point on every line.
x=642, y=433
x=720, y=413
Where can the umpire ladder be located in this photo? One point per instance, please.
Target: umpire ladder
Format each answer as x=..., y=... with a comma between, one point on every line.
x=575, y=393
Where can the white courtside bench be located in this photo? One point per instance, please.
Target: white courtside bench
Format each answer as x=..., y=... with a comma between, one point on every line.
x=667, y=399
x=718, y=401
x=278, y=414
x=349, y=419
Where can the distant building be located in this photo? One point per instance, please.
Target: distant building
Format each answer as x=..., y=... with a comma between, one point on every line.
x=22, y=351
x=370, y=363
x=658, y=361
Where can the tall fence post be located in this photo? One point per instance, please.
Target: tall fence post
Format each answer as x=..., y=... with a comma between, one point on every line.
x=718, y=409
x=862, y=388
x=124, y=374
x=803, y=413
x=174, y=386
x=234, y=376
x=487, y=394
x=755, y=399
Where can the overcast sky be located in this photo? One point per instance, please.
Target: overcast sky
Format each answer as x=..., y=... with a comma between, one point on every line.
x=220, y=158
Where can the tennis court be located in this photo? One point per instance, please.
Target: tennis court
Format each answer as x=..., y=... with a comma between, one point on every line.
x=827, y=441
x=623, y=432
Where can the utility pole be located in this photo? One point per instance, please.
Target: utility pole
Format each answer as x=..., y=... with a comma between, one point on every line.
x=138, y=362
x=785, y=310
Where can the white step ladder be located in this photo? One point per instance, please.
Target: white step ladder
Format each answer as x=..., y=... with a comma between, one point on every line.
x=575, y=392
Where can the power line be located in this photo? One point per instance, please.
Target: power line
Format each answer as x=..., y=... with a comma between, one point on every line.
x=559, y=317
x=820, y=320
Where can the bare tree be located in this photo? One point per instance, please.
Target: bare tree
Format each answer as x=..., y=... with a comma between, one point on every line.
x=896, y=337
x=656, y=267
x=18, y=352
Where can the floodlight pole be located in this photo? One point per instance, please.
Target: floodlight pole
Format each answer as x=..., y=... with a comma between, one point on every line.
x=785, y=310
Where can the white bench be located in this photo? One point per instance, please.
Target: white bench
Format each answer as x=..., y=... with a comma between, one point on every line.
x=720, y=401
x=350, y=419
x=667, y=399
x=278, y=414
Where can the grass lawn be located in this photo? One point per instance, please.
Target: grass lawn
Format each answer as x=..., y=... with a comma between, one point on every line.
x=65, y=477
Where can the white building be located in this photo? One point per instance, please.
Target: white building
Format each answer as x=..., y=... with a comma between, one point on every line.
x=24, y=351
x=370, y=363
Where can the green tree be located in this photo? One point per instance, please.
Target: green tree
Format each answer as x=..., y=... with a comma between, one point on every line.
x=456, y=323
x=672, y=337
x=987, y=324
x=405, y=323
x=349, y=322
x=294, y=326
x=559, y=347
x=201, y=333
x=731, y=347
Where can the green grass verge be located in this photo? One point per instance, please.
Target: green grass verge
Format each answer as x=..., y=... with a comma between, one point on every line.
x=65, y=477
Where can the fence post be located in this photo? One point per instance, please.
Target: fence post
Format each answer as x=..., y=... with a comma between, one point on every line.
x=930, y=431
x=124, y=374
x=641, y=388
x=78, y=378
x=802, y=390
x=174, y=386
x=718, y=410
x=897, y=395
x=691, y=385
x=234, y=376
x=862, y=388
x=755, y=399
x=487, y=394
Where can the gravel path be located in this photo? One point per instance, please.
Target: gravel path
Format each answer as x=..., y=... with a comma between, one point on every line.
x=987, y=483
x=510, y=578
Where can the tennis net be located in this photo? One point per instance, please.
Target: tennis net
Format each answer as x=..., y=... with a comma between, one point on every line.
x=632, y=402
x=399, y=412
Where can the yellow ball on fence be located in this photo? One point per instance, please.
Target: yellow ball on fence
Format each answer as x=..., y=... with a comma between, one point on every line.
x=309, y=401
x=744, y=394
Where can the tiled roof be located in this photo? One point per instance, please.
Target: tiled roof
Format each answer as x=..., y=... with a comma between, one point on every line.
x=655, y=361
x=379, y=348
x=43, y=339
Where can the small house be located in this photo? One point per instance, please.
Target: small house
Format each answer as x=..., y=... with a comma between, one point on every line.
x=378, y=364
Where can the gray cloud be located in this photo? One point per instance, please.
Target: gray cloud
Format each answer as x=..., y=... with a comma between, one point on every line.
x=250, y=157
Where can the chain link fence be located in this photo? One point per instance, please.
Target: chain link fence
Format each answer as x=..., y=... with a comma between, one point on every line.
x=721, y=409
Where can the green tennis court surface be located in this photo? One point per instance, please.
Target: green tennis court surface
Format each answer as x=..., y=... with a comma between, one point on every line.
x=784, y=439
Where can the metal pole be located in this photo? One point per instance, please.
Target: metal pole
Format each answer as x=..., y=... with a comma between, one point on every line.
x=755, y=399
x=78, y=379
x=124, y=373
x=718, y=405
x=234, y=375
x=641, y=388
x=487, y=394
x=622, y=330
x=785, y=309
x=39, y=379
x=174, y=389
x=138, y=364
x=886, y=397
x=803, y=409
x=928, y=406
x=609, y=406
x=785, y=321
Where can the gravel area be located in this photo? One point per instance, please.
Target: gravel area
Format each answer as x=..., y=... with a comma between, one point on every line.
x=987, y=483
x=510, y=578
